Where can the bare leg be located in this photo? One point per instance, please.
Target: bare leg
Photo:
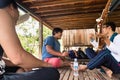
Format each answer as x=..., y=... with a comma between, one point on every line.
x=20, y=70
x=82, y=67
x=107, y=71
x=65, y=63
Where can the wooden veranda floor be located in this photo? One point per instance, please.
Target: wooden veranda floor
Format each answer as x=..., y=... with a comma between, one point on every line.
x=67, y=74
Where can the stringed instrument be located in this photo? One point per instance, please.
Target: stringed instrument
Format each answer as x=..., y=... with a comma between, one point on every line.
x=100, y=21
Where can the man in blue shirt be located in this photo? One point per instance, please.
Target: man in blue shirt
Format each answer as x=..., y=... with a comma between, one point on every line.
x=51, y=49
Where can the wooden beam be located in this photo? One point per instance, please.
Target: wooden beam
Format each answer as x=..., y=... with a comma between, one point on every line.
x=68, y=8
x=28, y=10
x=67, y=2
x=32, y=1
x=68, y=13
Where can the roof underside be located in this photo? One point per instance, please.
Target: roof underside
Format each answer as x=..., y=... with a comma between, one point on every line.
x=68, y=14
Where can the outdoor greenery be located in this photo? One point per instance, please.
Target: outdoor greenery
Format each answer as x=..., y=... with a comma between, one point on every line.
x=46, y=32
x=28, y=32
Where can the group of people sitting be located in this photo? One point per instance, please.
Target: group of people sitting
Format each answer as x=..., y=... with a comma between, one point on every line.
x=107, y=59
x=79, y=54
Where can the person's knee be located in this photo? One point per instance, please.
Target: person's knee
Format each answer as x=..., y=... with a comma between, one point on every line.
x=56, y=62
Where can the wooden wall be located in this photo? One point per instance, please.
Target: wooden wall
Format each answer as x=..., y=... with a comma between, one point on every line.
x=79, y=37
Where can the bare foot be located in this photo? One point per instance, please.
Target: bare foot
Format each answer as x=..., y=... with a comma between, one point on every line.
x=82, y=67
x=109, y=73
x=66, y=63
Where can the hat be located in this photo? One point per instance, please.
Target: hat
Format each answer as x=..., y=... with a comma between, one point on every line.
x=5, y=3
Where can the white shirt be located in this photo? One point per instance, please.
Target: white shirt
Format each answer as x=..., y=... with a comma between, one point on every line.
x=2, y=67
x=114, y=47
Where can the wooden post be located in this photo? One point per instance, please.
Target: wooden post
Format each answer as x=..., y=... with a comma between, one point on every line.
x=40, y=39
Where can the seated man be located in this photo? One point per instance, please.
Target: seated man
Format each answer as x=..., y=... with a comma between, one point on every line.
x=51, y=49
x=72, y=54
x=81, y=54
x=10, y=44
x=109, y=57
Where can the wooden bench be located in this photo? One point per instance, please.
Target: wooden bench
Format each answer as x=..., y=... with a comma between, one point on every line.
x=67, y=74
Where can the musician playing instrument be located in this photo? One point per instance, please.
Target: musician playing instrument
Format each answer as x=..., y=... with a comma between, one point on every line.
x=109, y=57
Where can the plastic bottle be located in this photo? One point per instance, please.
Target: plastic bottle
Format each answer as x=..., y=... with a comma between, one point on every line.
x=75, y=66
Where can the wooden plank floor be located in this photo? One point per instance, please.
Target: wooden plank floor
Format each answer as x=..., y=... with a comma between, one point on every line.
x=67, y=74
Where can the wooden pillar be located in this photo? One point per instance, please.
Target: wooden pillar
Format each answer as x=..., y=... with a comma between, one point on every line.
x=40, y=39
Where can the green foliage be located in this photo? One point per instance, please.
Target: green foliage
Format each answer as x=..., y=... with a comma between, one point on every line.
x=28, y=33
x=46, y=32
